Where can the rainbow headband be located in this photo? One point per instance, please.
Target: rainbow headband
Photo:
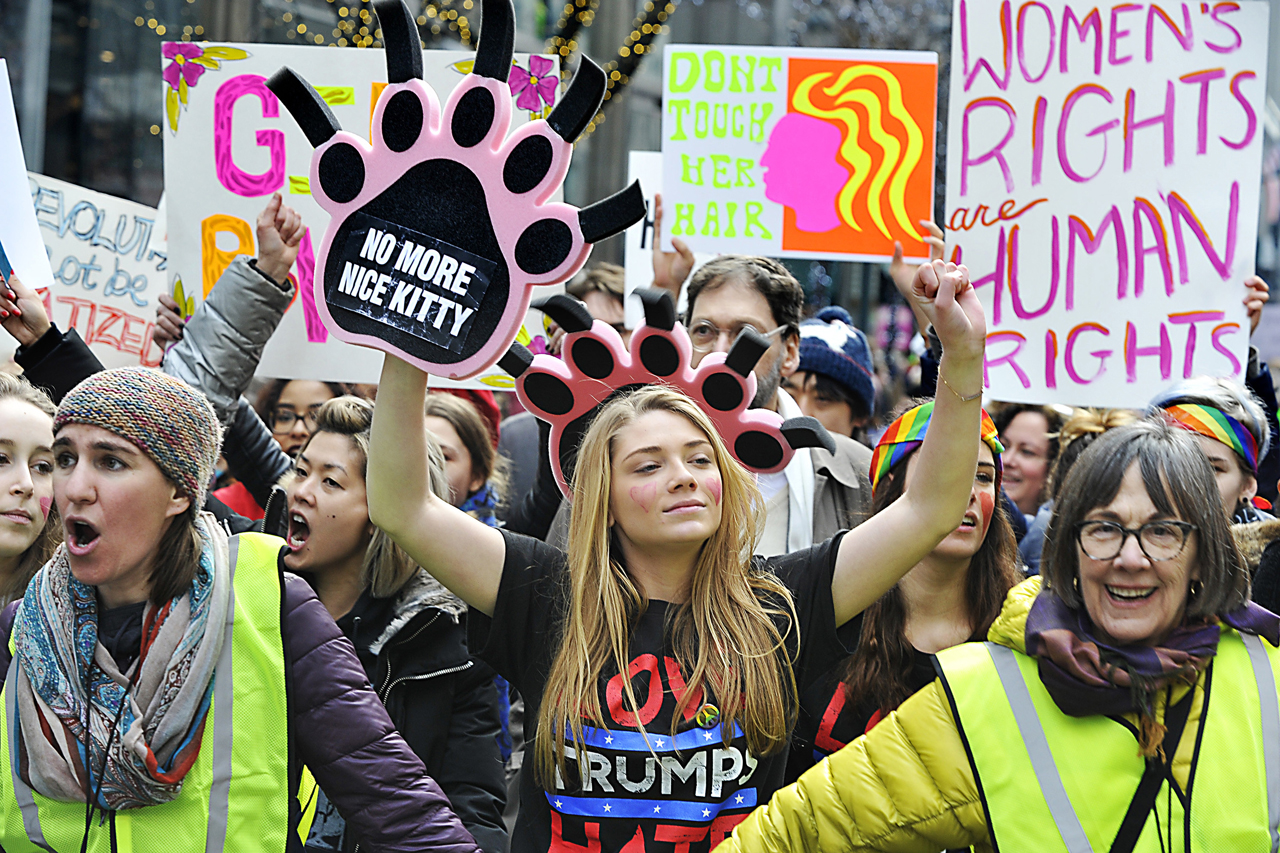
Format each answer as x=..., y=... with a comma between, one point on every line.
x=906, y=434
x=1218, y=425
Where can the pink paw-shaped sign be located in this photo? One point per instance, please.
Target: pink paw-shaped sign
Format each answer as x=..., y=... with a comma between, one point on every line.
x=596, y=366
x=441, y=227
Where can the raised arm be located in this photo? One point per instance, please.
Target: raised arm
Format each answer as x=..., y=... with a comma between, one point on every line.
x=874, y=555
x=462, y=553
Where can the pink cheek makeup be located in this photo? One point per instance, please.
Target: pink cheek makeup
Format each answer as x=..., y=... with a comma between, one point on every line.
x=45, y=503
x=988, y=505
x=644, y=495
x=714, y=487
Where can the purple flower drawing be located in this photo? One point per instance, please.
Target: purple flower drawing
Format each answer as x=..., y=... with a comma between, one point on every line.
x=536, y=86
x=188, y=63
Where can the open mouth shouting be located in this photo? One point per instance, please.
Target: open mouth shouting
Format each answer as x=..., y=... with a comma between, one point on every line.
x=81, y=536
x=299, y=532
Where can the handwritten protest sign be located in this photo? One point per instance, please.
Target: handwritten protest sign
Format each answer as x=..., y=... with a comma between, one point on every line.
x=228, y=146
x=109, y=263
x=798, y=152
x=1102, y=187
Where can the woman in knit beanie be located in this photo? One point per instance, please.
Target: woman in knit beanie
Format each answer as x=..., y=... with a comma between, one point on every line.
x=835, y=381
x=158, y=663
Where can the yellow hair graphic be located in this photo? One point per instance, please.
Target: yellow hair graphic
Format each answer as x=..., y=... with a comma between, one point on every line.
x=896, y=166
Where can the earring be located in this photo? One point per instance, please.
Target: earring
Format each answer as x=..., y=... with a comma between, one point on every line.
x=1196, y=587
x=1075, y=583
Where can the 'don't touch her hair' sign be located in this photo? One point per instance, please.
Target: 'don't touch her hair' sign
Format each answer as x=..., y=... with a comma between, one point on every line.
x=1103, y=171
x=798, y=152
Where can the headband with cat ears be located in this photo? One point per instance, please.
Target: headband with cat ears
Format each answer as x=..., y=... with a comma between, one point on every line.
x=597, y=367
x=451, y=181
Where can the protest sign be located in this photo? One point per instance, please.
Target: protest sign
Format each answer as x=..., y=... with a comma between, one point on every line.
x=19, y=233
x=229, y=145
x=108, y=260
x=646, y=167
x=798, y=152
x=1102, y=188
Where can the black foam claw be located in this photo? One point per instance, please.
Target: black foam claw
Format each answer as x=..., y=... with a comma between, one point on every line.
x=516, y=361
x=497, y=40
x=659, y=309
x=580, y=102
x=569, y=313
x=612, y=215
x=746, y=351
x=305, y=105
x=807, y=432
x=401, y=40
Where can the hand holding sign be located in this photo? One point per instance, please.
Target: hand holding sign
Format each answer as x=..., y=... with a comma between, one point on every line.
x=22, y=312
x=441, y=227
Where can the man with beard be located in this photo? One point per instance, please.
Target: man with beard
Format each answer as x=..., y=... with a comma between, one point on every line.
x=818, y=493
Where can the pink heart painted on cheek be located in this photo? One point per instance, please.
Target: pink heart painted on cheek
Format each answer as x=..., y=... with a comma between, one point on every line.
x=644, y=495
x=45, y=503
x=715, y=488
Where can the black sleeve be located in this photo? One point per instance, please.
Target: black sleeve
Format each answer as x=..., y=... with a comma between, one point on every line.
x=1260, y=383
x=252, y=454
x=534, y=512
x=517, y=640
x=57, y=362
x=471, y=772
x=808, y=574
x=1266, y=581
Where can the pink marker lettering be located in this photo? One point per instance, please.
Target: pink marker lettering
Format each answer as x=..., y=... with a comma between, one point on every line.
x=229, y=174
x=316, y=332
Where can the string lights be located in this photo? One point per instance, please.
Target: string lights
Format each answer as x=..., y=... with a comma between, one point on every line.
x=644, y=29
x=576, y=16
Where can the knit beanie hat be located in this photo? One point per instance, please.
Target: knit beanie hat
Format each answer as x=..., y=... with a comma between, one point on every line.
x=167, y=419
x=831, y=345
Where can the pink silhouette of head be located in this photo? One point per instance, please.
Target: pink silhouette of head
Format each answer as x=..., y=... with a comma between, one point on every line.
x=802, y=172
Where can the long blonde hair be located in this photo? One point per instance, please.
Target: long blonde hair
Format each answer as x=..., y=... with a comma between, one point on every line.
x=50, y=536
x=724, y=635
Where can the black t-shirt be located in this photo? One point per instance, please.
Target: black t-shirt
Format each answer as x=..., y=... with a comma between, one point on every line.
x=829, y=719
x=689, y=793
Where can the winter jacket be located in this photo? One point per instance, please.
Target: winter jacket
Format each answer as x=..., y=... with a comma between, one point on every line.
x=1258, y=543
x=342, y=734
x=223, y=342
x=253, y=454
x=443, y=702
x=909, y=784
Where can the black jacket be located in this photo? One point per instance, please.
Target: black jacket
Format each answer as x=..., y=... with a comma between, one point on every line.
x=413, y=648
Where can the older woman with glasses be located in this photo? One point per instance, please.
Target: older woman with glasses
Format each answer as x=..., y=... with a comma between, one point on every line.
x=1084, y=722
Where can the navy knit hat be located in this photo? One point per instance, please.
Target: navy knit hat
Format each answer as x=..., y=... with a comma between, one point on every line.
x=831, y=345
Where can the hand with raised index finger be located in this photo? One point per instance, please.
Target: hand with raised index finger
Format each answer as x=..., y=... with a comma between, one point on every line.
x=442, y=224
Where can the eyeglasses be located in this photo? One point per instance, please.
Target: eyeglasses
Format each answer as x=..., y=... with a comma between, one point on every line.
x=704, y=334
x=282, y=420
x=1159, y=540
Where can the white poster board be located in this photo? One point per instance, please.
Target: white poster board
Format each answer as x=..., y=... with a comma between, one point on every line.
x=108, y=260
x=798, y=152
x=231, y=145
x=646, y=167
x=19, y=233
x=1102, y=188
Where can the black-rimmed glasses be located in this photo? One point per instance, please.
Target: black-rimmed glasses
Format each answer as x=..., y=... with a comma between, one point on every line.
x=1159, y=540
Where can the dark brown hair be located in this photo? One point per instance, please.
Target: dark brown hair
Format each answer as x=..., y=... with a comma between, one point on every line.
x=269, y=396
x=773, y=281
x=177, y=557
x=878, y=672
x=474, y=432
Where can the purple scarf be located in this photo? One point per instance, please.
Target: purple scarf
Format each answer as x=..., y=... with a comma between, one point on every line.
x=1087, y=676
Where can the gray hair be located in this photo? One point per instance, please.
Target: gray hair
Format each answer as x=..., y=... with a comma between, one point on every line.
x=1165, y=455
x=1225, y=395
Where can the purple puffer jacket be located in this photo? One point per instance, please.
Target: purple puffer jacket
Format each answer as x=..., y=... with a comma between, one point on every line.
x=344, y=736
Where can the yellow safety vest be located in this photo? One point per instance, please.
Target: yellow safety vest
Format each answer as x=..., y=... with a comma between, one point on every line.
x=1051, y=782
x=236, y=795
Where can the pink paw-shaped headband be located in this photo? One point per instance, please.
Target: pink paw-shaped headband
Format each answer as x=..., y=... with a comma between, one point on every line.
x=596, y=367
x=443, y=224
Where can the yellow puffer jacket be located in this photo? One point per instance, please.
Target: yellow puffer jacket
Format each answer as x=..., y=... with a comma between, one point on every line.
x=906, y=786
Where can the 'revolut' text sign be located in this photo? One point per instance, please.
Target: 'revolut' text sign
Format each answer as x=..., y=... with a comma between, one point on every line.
x=416, y=284
x=1102, y=187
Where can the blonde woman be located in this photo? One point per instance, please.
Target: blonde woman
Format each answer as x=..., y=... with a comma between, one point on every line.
x=660, y=661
